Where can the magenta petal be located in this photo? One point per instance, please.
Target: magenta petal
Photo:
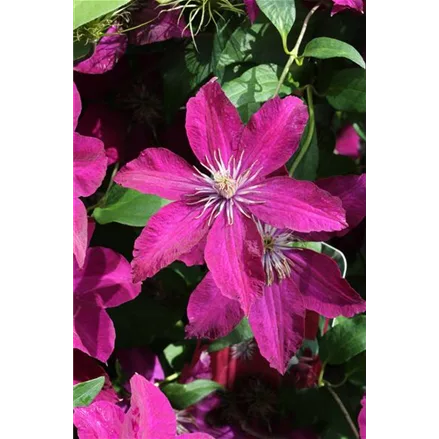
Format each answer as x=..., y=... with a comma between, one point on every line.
x=173, y=231
x=106, y=274
x=362, y=418
x=160, y=172
x=150, y=415
x=213, y=124
x=340, y=5
x=252, y=9
x=234, y=256
x=76, y=106
x=348, y=142
x=277, y=320
x=79, y=231
x=89, y=165
x=106, y=54
x=161, y=25
x=323, y=289
x=100, y=420
x=273, y=133
x=203, y=321
x=196, y=255
x=195, y=436
x=93, y=330
x=297, y=205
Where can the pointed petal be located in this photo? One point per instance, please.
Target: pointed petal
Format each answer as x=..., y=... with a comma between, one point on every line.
x=348, y=142
x=273, y=133
x=323, y=289
x=106, y=274
x=100, y=420
x=93, y=330
x=76, y=106
x=79, y=231
x=173, y=231
x=203, y=321
x=89, y=165
x=340, y=5
x=160, y=172
x=107, y=53
x=195, y=436
x=277, y=320
x=150, y=414
x=196, y=255
x=297, y=205
x=252, y=9
x=212, y=123
x=351, y=189
x=234, y=256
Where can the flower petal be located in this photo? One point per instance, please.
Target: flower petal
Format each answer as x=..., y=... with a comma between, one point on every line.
x=195, y=436
x=297, y=205
x=212, y=124
x=79, y=231
x=273, y=133
x=340, y=5
x=150, y=414
x=160, y=172
x=252, y=9
x=196, y=255
x=173, y=231
x=234, y=256
x=162, y=25
x=106, y=274
x=203, y=321
x=76, y=106
x=351, y=189
x=362, y=418
x=89, y=165
x=100, y=420
x=107, y=53
x=93, y=330
x=277, y=320
x=323, y=289
x=348, y=142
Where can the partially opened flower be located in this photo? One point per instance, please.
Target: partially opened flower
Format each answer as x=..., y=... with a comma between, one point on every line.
x=89, y=167
x=150, y=416
x=296, y=280
x=221, y=201
x=341, y=5
x=103, y=282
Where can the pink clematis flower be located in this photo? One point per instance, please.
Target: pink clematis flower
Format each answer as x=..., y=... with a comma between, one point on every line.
x=296, y=280
x=341, y=5
x=348, y=142
x=150, y=416
x=362, y=418
x=235, y=187
x=103, y=282
x=89, y=167
x=252, y=9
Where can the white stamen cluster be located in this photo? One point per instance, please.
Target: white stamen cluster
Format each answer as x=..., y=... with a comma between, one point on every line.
x=274, y=260
x=226, y=188
x=244, y=350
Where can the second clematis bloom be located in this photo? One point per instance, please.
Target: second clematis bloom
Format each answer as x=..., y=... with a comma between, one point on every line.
x=220, y=201
x=297, y=279
x=150, y=416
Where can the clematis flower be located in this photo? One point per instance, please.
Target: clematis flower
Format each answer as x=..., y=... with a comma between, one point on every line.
x=149, y=416
x=348, y=142
x=362, y=418
x=341, y=5
x=103, y=282
x=296, y=280
x=235, y=187
x=89, y=167
x=252, y=9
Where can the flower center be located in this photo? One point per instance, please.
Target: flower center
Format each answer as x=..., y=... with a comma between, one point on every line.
x=225, y=185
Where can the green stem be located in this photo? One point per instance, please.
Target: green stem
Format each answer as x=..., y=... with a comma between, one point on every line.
x=293, y=54
x=110, y=184
x=168, y=379
x=310, y=133
x=344, y=411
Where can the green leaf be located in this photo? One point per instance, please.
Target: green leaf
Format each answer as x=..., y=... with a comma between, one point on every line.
x=344, y=341
x=257, y=84
x=324, y=48
x=84, y=393
x=337, y=255
x=282, y=13
x=128, y=206
x=316, y=246
x=173, y=353
x=85, y=11
x=347, y=90
x=241, y=333
x=185, y=395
